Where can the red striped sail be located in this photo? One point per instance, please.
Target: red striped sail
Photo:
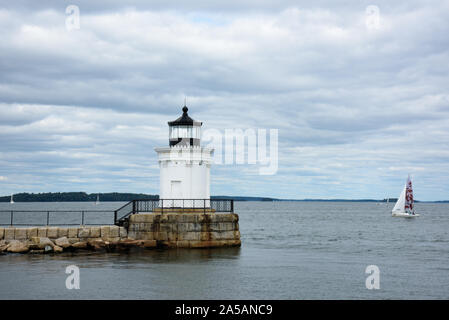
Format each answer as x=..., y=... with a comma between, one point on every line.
x=409, y=197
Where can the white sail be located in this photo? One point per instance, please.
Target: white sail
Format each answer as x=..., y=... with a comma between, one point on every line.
x=12, y=199
x=400, y=204
x=98, y=199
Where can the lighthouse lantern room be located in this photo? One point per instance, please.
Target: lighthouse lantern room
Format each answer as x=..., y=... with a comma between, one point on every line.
x=185, y=165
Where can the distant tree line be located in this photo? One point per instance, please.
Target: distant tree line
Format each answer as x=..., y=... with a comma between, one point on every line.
x=117, y=196
x=390, y=200
x=77, y=196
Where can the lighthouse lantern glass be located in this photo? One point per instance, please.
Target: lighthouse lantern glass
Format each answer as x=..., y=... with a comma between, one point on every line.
x=185, y=132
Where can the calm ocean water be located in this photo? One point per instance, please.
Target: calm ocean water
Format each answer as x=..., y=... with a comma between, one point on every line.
x=290, y=250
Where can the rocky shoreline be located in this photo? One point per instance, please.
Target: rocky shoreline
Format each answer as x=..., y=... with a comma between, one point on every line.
x=60, y=239
x=40, y=245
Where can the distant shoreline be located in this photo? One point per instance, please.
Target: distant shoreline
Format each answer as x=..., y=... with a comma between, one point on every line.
x=117, y=196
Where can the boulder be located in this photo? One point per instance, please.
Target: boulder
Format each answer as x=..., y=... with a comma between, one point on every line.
x=129, y=242
x=9, y=233
x=72, y=232
x=105, y=231
x=126, y=244
x=73, y=240
x=114, y=231
x=42, y=232
x=32, y=232
x=4, y=247
x=20, y=234
x=80, y=245
x=95, y=232
x=97, y=243
x=148, y=243
x=62, y=242
x=63, y=232
x=17, y=246
x=52, y=232
x=83, y=233
x=46, y=242
x=41, y=242
x=48, y=249
x=57, y=249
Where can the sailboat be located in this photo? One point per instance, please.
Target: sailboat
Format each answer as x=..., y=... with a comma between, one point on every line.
x=12, y=199
x=404, y=207
x=98, y=199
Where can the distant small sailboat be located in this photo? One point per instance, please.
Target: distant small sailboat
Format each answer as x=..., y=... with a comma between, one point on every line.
x=98, y=199
x=12, y=199
x=404, y=207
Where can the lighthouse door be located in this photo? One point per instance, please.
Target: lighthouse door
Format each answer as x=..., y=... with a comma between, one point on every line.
x=176, y=193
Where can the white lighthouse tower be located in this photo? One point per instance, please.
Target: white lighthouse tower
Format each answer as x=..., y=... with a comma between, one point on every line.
x=184, y=166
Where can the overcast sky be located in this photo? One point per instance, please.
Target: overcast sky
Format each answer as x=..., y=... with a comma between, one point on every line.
x=358, y=104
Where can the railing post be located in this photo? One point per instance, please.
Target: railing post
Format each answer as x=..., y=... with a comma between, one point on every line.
x=48, y=217
x=162, y=206
x=82, y=218
x=204, y=205
x=134, y=206
x=12, y=216
x=115, y=217
x=232, y=205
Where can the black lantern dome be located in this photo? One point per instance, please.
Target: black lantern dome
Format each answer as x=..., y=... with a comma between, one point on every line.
x=184, y=131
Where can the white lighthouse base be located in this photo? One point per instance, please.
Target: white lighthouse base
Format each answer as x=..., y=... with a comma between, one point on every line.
x=185, y=176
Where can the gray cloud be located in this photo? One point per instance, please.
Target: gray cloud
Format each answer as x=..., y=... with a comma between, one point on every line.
x=357, y=109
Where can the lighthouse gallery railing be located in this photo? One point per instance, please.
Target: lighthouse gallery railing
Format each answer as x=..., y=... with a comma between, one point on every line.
x=167, y=205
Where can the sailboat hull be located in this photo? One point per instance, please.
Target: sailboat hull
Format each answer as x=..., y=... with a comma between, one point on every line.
x=404, y=215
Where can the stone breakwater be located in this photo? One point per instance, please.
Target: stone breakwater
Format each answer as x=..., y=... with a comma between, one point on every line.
x=152, y=230
x=59, y=239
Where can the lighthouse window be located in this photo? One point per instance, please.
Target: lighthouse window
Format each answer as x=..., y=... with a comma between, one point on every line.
x=184, y=132
x=196, y=132
x=187, y=132
x=173, y=132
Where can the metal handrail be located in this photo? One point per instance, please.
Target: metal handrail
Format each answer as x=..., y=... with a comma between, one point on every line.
x=149, y=205
x=11, y=212
x=135, y=206
x=116, y=221
x=123, y=206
